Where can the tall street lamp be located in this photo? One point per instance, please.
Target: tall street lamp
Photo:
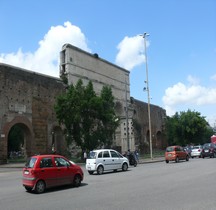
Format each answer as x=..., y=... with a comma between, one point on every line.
x=147, y=89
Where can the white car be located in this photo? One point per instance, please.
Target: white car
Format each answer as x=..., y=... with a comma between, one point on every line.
x=105, y=160
x=196, y=151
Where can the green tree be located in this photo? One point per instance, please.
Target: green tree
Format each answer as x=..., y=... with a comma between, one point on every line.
x=187, y=128
x=89, y=119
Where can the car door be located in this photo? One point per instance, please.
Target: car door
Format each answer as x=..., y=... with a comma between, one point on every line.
x=64, y=171
x=115, y=160
x=107, y=161
x=47, y=171
x=182, y=153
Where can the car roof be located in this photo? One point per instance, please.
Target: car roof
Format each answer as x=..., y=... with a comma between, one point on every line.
x=101, y=150
x=174, y=146
x=46, y=155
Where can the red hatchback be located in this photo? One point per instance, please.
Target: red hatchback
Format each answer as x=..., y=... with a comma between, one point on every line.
x=45, y=171
x=175, y=153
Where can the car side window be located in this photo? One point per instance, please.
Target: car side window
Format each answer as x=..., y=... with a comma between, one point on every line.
x=100, y=155
x=46, y=163
x=114, y=154
x=60, y=162
x=106, y=154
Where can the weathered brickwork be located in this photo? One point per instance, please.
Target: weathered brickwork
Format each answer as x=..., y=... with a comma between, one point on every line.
x=27, y=99
x=158, y=116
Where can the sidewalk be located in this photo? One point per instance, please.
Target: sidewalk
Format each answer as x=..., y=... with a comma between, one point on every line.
x=141, y=161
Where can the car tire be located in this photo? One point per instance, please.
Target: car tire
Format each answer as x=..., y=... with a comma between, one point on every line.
x=100, y=170
x=124, y=167
x=177, y=159
x=90, y=172
x=40, y=187
x=167, y=161
x=77, y=180
x=187, y=158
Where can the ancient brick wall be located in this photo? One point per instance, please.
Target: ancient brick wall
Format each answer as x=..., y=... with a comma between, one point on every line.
x=28, y=95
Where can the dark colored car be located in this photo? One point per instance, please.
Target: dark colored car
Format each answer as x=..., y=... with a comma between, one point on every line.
x=176, y=153
x=209, y=150
x=45, y=171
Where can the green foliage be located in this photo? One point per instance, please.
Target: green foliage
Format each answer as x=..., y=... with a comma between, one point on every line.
x=89, y=119
x=187, y=128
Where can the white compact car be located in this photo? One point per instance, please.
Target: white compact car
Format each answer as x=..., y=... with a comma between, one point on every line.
x=105, y=160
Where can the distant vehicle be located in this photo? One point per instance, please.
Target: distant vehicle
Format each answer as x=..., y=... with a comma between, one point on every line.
x=45, y=171
x=209, y=150
x=176, y=153
x=105, y=160
x=213, y=139
x=196, y=151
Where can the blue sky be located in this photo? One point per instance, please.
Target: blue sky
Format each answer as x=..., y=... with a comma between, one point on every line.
x=181, y=48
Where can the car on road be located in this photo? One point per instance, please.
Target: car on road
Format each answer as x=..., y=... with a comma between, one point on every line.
x=105, y=160
x=209, y=150
x=176, y=153
x=196, y=151
x=45, y=171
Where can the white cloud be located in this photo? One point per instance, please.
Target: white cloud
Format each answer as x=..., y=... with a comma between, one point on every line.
x=193, y=80
x=131, y=52
x=192, y=95
x=46, y=58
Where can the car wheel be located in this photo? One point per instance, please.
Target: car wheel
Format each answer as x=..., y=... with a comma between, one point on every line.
x=214, y=155
x=203, y=157
x=124, y=167
x=100, y=170
x=40, y=187
x=167, y=161
x=77, y=181
x=187, y=158
x=28, y=189
x=90, y=172
x=177, y=159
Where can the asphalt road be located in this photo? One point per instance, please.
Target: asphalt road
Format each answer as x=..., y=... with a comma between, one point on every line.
x=157, y=186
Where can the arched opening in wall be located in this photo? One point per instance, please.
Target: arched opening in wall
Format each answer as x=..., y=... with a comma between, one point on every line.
x=19, y=142
x=58, y=141
x=159, y=140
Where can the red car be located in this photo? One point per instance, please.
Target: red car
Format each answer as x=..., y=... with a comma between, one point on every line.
x=45, y=171
x=175, y=153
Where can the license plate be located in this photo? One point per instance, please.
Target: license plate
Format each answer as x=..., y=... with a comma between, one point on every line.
x=206, y=150
x=89, y=168
x=26, y=172
x=169, y=155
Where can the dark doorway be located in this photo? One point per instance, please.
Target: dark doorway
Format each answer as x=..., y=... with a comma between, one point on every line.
x=16, y=143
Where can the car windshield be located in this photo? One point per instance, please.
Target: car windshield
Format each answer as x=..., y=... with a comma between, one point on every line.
x=30, y=162
x=170, y=149
x=92, y=155
x=206, y=145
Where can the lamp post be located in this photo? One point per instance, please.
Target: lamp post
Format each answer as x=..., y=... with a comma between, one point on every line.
x=147, y=88
x=126, y=113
